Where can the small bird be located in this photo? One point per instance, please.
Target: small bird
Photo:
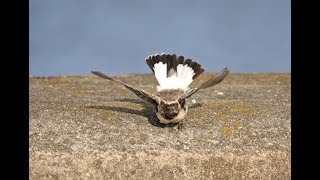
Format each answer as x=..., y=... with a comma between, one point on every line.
x=174, y=75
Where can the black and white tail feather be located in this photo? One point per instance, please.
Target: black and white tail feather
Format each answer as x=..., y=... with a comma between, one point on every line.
x=174, y=75
x=173, y=72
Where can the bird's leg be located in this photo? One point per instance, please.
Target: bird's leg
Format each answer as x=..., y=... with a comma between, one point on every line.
x=179, y=126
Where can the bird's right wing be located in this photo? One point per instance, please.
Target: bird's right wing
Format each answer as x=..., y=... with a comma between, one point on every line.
x=140, y=93
x=211, y=82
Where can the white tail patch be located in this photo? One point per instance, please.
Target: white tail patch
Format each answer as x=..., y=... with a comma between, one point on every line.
x=176, y=80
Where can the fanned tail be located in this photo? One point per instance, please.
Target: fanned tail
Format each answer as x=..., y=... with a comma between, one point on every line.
x=173, y=72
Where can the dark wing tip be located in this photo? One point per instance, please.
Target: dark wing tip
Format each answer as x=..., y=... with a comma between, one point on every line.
x=100, y=74
x=222, y=74
x=216, y=79
x=96, y=72
x=225, y=71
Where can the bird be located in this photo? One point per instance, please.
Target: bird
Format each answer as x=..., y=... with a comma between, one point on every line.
x=174, y=75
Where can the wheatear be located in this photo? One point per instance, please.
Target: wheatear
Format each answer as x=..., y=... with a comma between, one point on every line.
x=174, y=75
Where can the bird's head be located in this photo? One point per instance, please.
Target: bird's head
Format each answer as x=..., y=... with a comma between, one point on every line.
x=171, y=112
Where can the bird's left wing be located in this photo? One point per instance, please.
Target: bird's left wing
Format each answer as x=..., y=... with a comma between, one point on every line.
x=140, y=93
x=211, y=82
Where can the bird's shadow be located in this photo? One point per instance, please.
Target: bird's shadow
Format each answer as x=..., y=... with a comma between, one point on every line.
x=148, y=111
x=135, y=101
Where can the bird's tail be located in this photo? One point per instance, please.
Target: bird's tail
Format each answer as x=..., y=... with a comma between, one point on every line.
x=173, y=72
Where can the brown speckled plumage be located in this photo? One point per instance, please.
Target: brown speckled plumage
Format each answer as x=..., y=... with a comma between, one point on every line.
x=170, y=95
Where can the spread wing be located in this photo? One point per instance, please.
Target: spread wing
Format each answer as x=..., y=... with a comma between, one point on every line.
x=140, y=93
x=211, y=82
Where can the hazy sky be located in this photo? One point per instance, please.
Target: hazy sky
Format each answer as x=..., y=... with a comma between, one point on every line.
x=73, y=37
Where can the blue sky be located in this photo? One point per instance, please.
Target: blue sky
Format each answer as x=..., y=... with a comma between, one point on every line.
x=73, y=37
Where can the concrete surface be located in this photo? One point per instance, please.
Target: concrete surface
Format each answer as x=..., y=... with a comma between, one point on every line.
x=85, y=127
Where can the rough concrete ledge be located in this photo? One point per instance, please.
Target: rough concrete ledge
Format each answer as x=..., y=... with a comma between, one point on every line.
x=85, y=127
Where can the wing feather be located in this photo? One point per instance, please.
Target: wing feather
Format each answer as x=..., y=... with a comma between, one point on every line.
x=211, y=82
x=140, y=93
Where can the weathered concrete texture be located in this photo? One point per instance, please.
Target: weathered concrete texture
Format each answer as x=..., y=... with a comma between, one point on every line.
x=91, y=128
